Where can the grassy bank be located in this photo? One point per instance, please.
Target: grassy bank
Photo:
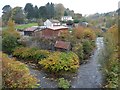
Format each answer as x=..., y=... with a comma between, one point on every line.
x=22, y=26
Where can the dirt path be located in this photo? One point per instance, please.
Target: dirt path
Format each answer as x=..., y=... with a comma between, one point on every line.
x=88, y=75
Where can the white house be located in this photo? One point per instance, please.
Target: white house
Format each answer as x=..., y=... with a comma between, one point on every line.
x=66, y=18
x=51, y=23
x=85, y=24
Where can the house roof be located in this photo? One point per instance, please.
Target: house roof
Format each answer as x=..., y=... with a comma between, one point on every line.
x=31, y=28
x=57, y=27
x=54, y=21
x=62, y=44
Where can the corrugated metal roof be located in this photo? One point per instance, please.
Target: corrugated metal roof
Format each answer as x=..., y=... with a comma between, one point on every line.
x=62, y=44
x=31, y=29
x=57, y=27
x=54, y=21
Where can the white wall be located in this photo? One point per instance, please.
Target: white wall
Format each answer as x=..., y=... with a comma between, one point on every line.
x=48, y=23
x=66, y=18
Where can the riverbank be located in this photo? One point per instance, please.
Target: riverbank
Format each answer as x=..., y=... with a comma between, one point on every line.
x=87, y=76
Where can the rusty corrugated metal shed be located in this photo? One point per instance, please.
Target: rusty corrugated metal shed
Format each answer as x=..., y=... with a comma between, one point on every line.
x=62, y=45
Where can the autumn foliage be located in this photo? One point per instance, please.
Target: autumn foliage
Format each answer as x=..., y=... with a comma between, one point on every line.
x=11, y=30
x=60, y=61
x=10, y=38
x=89, y=34
x=16, y=74
x=111, y=66
x=30, y=53
x=78, y=32
x=84, y=33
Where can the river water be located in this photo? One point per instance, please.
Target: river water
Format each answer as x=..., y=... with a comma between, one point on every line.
x=87, y=76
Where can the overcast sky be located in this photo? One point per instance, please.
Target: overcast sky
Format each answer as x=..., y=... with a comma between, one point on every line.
x=79, y=6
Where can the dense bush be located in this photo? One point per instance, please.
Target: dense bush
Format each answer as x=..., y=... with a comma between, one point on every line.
x=89, y=34
x=9, y=42
x=9, y=38
x=111, y=61
x=30, y=53
x=78, y=32
x=60, y=61
x=78, y=49
x=69, y=22
x=16, y=74
x=87, y=47
x=11, y=30
x=76, y=21
x=82, y=41
x=25, y=41
x=63, y=84
x=99, y=33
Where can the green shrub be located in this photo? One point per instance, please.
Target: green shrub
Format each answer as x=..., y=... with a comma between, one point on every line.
x=89, y=34
x=30, y=53
x=99, y=33
x=9, y=42
x=11, y=30
x=76, y=21
x=60, y=61
x=9, y=38
x=78, y=49
x=63, y=84
x=112, y=72
x=111, y=63
x=16, y=74
x=87, y=47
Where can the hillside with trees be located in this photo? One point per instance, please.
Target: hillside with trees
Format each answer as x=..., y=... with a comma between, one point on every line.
x=82, y=52
x=31, y=13
x=105, y=20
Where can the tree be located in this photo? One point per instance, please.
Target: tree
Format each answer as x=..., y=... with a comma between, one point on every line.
x=59, y=10
x=65, y=13
x=6, y=14
x=29, y=10
x=9, y=43
x=42, y=12
x=9, y=38
x=72, y=13
x=78, y=16
x=11, y=30
x=17, y=15
x=50, y=10
x=6, y=8
x=11, y=25
x=36, y=10
x=40, y=22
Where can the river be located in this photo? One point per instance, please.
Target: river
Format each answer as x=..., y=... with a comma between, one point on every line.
x=87, y=76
